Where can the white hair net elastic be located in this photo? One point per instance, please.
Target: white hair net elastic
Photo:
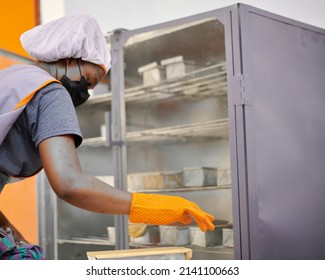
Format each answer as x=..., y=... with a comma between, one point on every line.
x=76, y=36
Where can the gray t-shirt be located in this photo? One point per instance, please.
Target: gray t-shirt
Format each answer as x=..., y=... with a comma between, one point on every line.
x=50, y=113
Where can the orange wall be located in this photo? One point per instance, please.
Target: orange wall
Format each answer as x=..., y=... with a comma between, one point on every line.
x=17, y=16
x=18, y=201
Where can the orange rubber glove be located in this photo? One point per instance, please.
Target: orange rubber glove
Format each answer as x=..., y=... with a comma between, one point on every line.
x=156, y=209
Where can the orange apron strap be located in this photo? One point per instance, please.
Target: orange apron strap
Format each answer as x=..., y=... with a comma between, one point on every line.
x=25, y=100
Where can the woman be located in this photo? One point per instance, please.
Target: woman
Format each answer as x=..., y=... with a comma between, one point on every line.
x=40, y=130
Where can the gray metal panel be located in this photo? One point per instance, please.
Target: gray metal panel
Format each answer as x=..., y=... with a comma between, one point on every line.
x=284, y=71
x=118, y=135
x=14, y=56
x=237, y=136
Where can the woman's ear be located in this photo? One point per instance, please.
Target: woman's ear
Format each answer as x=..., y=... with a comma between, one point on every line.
x=60, y=68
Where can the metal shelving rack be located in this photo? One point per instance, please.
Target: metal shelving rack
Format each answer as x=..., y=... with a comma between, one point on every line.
x=209, y=129
x=203, y=83
x=194, y=89
x=207, y=82
x=274, y=118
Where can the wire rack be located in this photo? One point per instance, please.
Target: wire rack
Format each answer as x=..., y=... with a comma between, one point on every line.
x=203, y=83
x=213, y=129
x=209, y=129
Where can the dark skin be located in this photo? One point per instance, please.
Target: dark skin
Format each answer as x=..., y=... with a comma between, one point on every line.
x=61, y=164
x=70, y=183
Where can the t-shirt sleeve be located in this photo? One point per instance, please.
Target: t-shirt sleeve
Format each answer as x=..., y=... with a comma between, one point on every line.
x=51, y=113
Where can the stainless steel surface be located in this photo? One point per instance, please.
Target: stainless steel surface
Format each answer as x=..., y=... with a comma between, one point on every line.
x=284, y=62
x=15, y=57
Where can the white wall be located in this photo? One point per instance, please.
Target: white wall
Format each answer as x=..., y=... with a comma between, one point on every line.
x=132, y=14
x=51, y=9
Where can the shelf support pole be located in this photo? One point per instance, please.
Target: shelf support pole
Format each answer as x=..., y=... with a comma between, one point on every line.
x=118, y=134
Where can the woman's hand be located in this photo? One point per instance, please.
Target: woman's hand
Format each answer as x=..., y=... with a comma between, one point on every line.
x=18, y=237
x=160, y=209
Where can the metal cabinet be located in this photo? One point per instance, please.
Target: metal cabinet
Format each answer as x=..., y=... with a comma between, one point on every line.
x=174, y=87
x=236, y=91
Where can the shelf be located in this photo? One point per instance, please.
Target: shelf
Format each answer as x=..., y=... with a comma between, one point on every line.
x=95, y=141
x=90, y=240
x=213, y=129
x=102, y=241
x=209, y=129
x=203, y=83
x=185, y=189
x=206, y=82
x=215, y=253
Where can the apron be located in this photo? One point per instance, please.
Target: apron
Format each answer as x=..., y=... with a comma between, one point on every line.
x=18, y=85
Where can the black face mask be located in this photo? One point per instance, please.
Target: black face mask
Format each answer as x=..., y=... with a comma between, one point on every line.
x=78, y=89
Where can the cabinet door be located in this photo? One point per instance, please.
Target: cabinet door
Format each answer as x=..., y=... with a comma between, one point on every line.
x=283, y=69
x=177, y=127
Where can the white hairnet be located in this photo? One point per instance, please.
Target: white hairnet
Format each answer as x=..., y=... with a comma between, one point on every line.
x=76, y=36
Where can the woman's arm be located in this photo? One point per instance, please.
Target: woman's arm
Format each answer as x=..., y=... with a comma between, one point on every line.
x=62, y=167
x=70, y=183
